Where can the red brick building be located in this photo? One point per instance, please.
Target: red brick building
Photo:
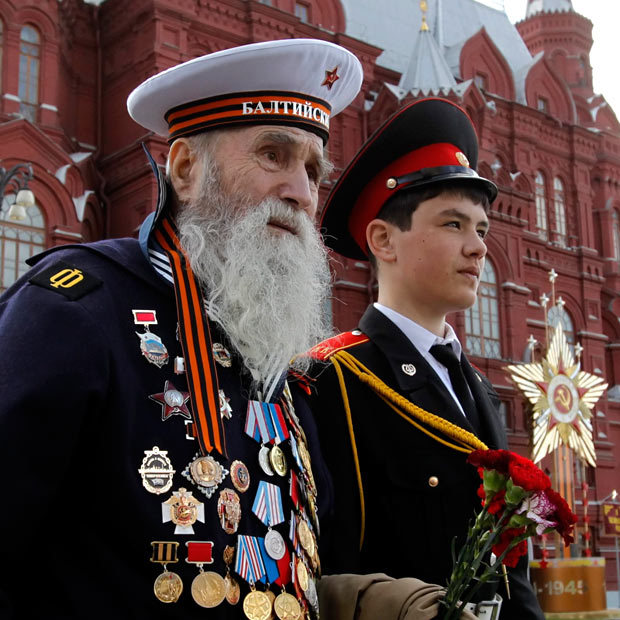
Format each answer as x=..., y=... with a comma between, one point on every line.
x=549, y=142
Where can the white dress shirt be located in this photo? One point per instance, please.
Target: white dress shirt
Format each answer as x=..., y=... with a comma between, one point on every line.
x=423, y=339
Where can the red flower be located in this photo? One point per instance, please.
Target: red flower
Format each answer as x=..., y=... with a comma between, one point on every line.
x=491, y=459
x=497, y=502
x=562, y=514
x=526, y=475
x=507, y=536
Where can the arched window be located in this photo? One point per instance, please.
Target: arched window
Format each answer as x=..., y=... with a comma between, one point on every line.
x=482, y=319
x=541, y=206
x=556, y=315
x=559, y=212
x=19, y=241
x=616, y=231
x=29, y=66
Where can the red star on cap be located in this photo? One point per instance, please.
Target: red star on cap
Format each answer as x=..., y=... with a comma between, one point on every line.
x=172, y=402
x=330, y=78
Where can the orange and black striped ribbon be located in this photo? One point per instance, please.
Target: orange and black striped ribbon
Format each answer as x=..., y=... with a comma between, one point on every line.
x=196, y=343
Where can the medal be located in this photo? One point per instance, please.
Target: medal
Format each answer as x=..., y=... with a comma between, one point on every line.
x=305, y=536
x=277, y=461
x=274, y=544
x=287, y=607
x=257, y=606
x=302, y=574
x=240, y=476
x=229, y=510
x=168, y=586
x=263, y=460
x=208, y=589
x=233, y=591
x=312, y=595
x=172, y=402
x=156, y=471
x=183, y=510
x=151, y=345
x=206, y=473
x=221, y=355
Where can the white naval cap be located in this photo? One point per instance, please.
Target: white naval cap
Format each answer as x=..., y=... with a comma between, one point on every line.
x=299, y=82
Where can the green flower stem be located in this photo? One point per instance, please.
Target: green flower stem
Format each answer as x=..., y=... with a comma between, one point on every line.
x=482, y=536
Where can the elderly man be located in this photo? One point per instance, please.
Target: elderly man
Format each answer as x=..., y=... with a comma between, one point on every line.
x=153, y=461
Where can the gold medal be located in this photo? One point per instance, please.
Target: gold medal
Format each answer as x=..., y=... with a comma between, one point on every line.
x=305, y=537
x=233, y=591
x=305, y=456
x=257, y=606
x=168, y=587
x=278, y=461
x=272, y=597
x=287, y=607
x=302, y=575
x=208, y=589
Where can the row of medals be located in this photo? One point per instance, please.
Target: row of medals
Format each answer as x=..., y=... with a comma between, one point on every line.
x=208, y=588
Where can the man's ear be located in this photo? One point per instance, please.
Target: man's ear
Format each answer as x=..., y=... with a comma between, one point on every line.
x=379, y=240
x=183, y=169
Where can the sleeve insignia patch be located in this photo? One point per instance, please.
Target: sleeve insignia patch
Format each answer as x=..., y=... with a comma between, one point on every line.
x=67, y=280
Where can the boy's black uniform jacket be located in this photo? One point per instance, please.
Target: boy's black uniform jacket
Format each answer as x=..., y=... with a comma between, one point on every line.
x=410, y=524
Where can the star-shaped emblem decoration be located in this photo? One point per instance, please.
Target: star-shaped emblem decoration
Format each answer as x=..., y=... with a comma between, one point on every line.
x=172, y=401
x=330, y=78
x=563, y=396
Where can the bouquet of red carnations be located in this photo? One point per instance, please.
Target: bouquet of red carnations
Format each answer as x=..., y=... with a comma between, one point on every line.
x=518, y=502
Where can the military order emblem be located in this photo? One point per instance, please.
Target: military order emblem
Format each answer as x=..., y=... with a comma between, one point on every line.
x=183, y=510
x=172, y=401
x=240, y=476
x=409, y=369
x=156, y=471
x=562, y=396
x=206, y=473
x=229, y=510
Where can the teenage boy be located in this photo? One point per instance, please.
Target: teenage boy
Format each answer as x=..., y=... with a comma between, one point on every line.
x=412, y=203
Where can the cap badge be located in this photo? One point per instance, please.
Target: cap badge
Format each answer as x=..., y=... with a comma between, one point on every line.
x=462, y=159
x=330, y=78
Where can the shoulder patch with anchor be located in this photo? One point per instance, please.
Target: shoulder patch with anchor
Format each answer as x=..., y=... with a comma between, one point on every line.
x=324, y=350
x=67, y=280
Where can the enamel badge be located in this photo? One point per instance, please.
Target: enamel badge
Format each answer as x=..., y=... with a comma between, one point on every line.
x=172, y=401
x=156, y=471
x=151, y=344
x=183, y=509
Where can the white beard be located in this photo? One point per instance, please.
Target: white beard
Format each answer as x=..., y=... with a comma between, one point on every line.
x=269, y=292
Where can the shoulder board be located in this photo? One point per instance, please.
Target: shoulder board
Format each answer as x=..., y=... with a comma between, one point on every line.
x=66, y=279
x=324, y=350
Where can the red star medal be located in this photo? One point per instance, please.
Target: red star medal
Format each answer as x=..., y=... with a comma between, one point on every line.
x=172, y=402
x=330, y=78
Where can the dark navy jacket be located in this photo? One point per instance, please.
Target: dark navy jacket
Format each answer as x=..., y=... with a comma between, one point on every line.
x=75, y=422
x=419, y=494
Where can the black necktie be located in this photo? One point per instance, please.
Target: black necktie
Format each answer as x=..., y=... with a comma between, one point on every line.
x=444, y=354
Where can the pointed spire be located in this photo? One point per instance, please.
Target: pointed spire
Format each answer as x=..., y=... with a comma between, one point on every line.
x=423, y=8
x=427, y=70
x=548, y=6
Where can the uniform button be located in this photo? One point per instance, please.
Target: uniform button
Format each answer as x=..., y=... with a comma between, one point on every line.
x=433, y=481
